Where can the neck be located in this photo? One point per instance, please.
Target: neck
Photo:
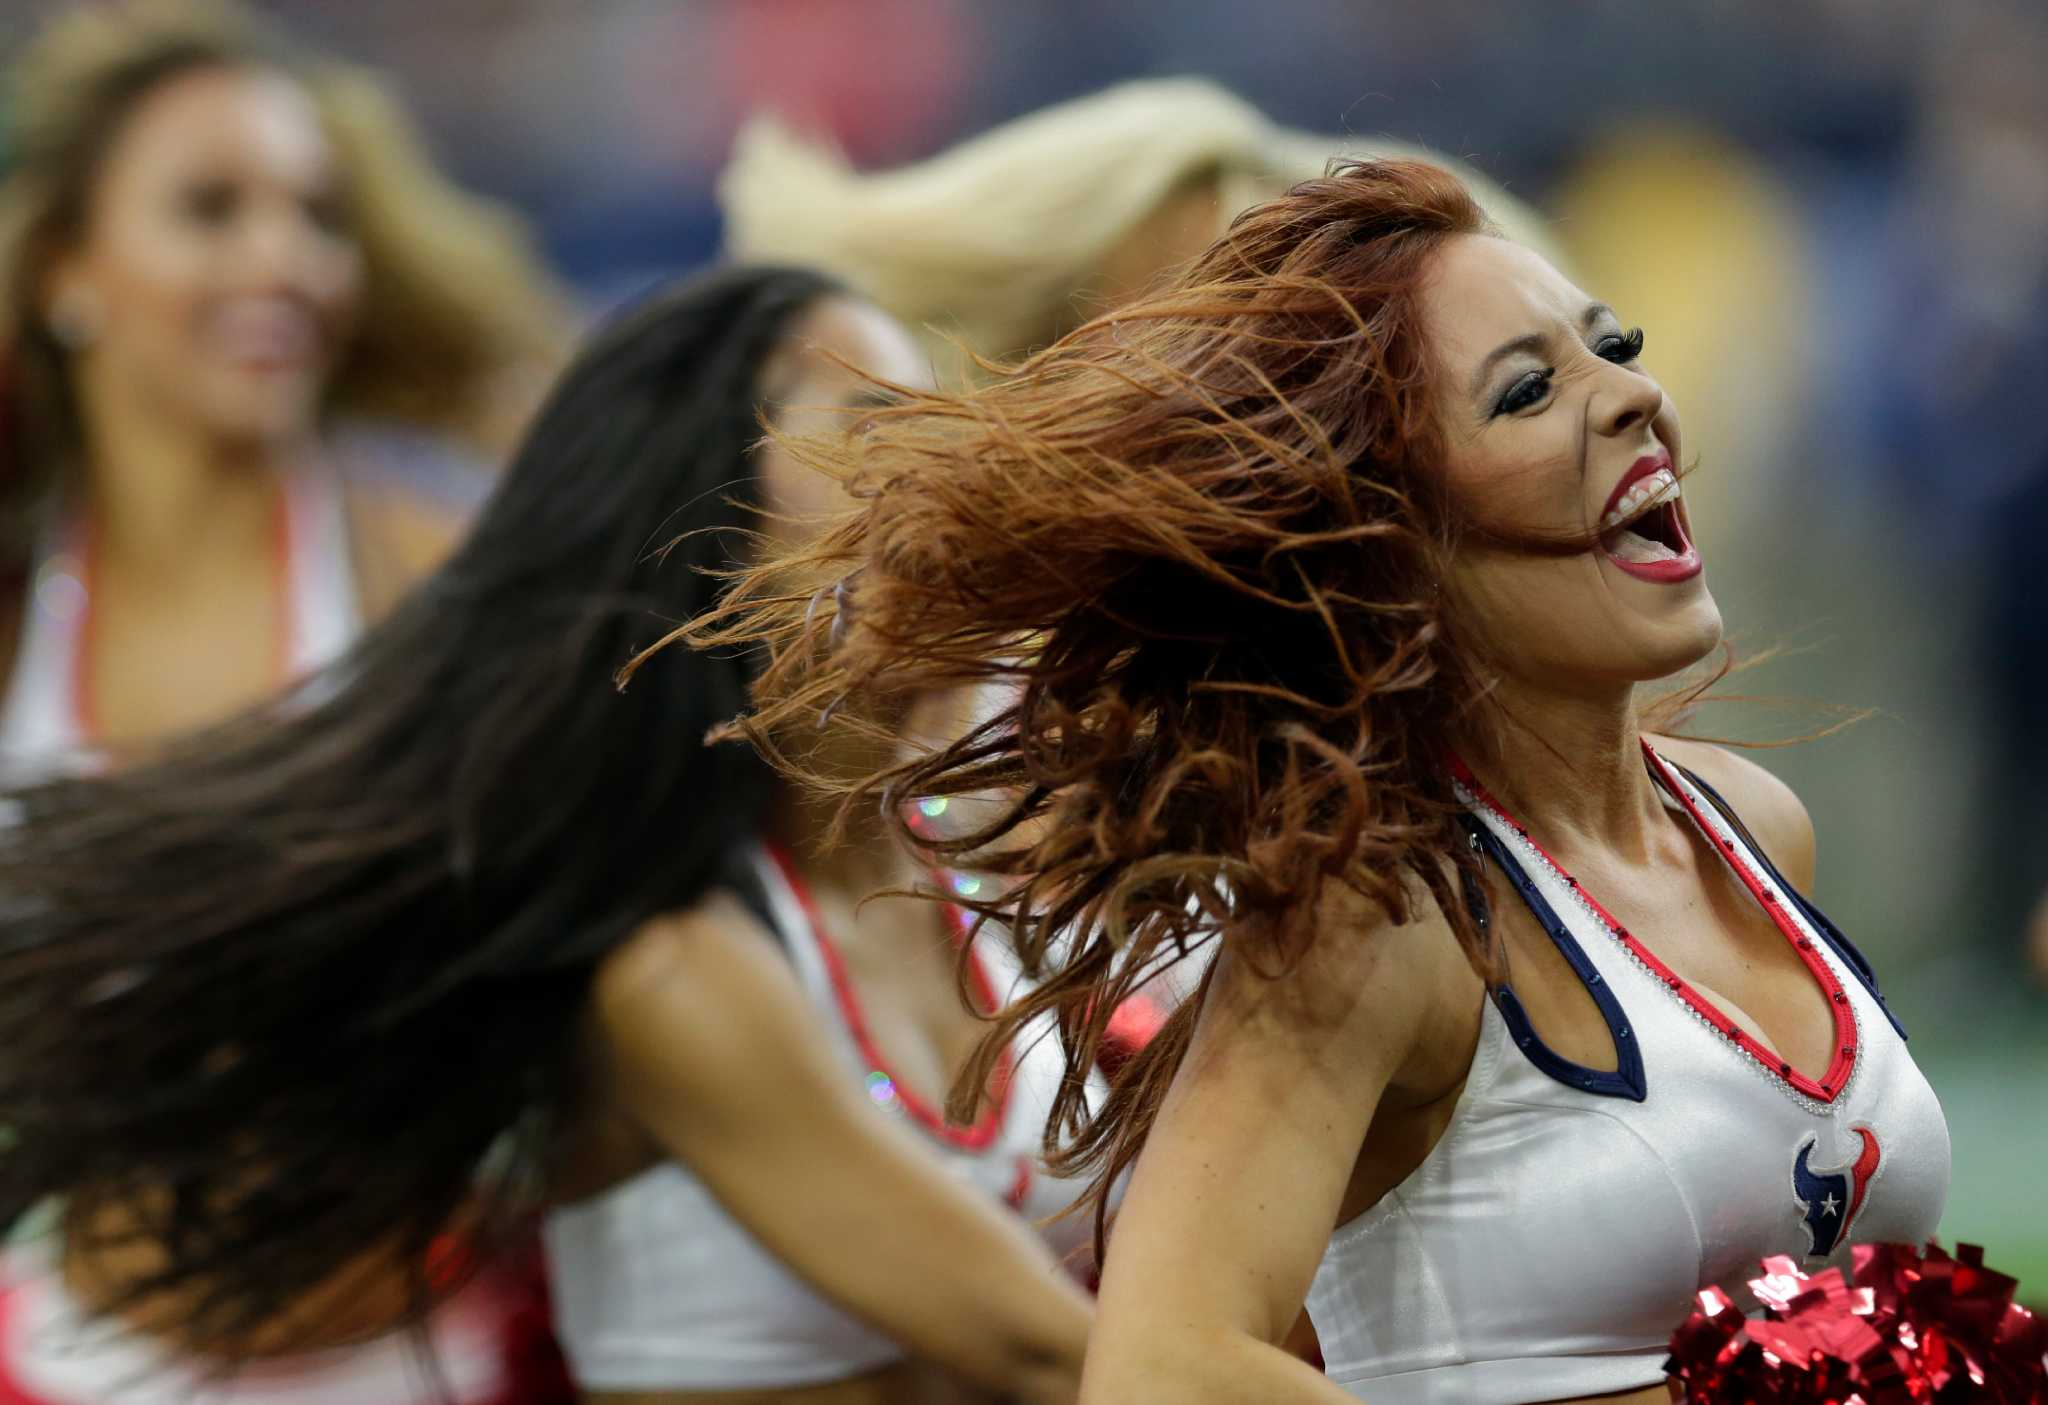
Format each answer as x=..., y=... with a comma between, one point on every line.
x=860, y=860
x=163, y=493
x=1569, y=766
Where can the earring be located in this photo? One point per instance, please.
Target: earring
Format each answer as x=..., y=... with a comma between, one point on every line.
x=76, y=318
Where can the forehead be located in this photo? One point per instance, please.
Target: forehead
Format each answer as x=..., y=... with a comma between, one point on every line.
x=244, y=116
x=1483, y=290
x=860, y=334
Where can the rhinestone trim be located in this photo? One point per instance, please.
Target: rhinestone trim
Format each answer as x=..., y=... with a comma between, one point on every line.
x=1519, y=839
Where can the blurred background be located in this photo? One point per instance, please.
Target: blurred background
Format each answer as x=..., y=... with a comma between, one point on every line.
x=1830, y=215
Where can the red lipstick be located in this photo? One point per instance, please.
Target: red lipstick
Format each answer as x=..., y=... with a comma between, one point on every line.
x=1639, y=470
x=1663, y=526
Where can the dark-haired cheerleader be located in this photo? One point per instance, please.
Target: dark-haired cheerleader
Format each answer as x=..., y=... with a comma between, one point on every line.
x=306, y=1021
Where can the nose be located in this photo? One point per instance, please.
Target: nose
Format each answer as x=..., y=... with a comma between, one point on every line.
x=283, y=249
x=1626, y=399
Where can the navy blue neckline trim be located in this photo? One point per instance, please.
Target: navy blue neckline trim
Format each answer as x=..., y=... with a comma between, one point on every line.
x=1628, y=1079
x=1853, y=958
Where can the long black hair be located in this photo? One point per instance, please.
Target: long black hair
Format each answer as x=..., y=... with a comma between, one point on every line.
x=311, y=985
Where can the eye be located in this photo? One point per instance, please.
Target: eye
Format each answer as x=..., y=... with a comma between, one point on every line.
x=211, y=204
x=1527, y=392
x=1620, y=347
x=330, y=215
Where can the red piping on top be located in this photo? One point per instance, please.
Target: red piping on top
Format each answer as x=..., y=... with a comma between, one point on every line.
x=1830, y=1083
x=85, y=699
x=983, y=1133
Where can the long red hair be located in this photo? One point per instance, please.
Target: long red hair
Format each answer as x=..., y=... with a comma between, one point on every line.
x=1195, y=546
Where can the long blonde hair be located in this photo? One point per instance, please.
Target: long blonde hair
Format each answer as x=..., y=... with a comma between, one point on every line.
x=994, y=244
x=456, y=304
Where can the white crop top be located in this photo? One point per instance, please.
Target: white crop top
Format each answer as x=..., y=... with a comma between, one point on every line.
x=54, y=1350
x=656, y=1287
x=46, y=716
x=1559, y=1230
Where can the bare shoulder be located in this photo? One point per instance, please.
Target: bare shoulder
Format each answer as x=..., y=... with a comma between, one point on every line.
x=1773, y=812
x=699, y=956
x=700, y=1012
x=1367, y=988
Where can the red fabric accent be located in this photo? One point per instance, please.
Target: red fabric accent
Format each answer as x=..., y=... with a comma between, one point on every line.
x=283, y=645
x=10, y=1393
x=1135, y=1024
x=536, y=1371
x=983, y=1133
x=1859, y=1177
x=1020, y=1186
x=1825, y=1089
x=449, y=1259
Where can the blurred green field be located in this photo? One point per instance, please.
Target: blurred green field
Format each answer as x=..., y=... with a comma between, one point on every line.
x=1991, y=1074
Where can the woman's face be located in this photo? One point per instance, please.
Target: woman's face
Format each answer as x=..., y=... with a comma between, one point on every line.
x=217, y=259
x=811, y=392
x=1555, y=429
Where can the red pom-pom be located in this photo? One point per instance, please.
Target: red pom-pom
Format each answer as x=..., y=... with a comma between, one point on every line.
x=1910, y=1328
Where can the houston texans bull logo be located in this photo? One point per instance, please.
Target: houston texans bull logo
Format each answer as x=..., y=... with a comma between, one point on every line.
x=1832, y=1199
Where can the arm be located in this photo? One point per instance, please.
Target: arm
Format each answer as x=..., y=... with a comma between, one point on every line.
x=1241, y=1182
x=715, y=1050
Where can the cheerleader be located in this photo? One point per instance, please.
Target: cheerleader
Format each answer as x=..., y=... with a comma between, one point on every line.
x=1326, y=585
x=224, y=265
x=308, y=1021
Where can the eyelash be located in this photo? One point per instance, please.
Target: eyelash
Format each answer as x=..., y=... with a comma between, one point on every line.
x=1621, y=349
x=217, y=203
x=212, y=203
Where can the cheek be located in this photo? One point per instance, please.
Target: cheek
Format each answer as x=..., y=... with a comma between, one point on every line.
x=1528, y=478
x=795, y=495
x=156, y=273
x=340, y=289
x=1516, y=606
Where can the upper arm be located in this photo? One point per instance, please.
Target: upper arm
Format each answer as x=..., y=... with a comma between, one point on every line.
x=715, y=1050
x=1772, y=811
x=1233, y=1201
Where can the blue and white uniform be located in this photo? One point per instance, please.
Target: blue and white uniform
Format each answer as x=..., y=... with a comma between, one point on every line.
x=1561, y=1227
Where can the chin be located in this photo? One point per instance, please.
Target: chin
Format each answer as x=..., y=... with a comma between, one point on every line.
x=1680, y=643
x=265, y=415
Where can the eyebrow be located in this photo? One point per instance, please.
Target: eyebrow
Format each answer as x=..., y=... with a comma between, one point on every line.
x=1532, y=343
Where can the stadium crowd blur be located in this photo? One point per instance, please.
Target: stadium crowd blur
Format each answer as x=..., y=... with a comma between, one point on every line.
x=1831, y=215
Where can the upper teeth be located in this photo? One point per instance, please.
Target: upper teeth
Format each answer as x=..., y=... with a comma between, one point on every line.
x=1644, y=495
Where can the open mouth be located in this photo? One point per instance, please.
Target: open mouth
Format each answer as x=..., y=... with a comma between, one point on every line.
x=263, y=334
x=1643, y=531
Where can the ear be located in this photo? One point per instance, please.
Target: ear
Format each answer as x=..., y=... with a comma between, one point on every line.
x=70, y=303
x=61, y=270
